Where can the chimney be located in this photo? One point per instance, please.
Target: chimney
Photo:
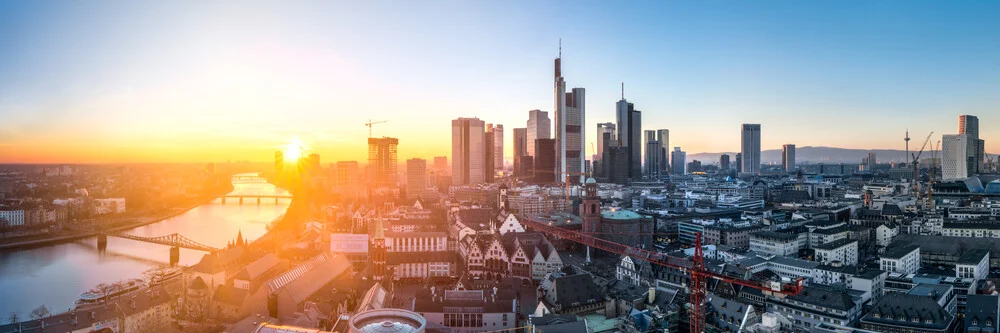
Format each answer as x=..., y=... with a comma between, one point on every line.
x=652, y=295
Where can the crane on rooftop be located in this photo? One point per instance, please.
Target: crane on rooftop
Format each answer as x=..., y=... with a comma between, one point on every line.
x=916, y=163
x=370, y=123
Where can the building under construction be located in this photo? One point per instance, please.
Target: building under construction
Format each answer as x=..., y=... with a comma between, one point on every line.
x=382, y=160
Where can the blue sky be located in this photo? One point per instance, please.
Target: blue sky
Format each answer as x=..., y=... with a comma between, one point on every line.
x=123, y=81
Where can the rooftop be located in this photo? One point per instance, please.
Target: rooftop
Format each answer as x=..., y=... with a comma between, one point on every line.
x=909, y=311
x=834, y=244
x=973, y=257
x=897, y=252
x=621, y=214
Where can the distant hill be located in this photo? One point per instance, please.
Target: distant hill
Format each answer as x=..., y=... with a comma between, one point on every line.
x=816, y=155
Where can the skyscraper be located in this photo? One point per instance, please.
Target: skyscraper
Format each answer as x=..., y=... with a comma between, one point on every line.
x=968, y=124
x=663, y=136
x=602, y=129
x=630, y=135
x=739, y=162
x=750, y=148
x=498, y=147
x=441, y=164
x=545, y=161
x=520, y=148
x=539, y=127
x=416, y=177
x=955, y=162
x=569, y=121
x=468, y=153
x=347, y=174
x=678, y=162
x=724, y=162
x=788, y=157
x=488, y=139
x=871, y=162
x=653, y=158
x=382, y=160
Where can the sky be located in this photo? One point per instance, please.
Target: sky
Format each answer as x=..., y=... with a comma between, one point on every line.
x=206, y=81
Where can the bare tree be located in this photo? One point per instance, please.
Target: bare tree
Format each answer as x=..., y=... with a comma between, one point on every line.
x=40, y=312
x=13, y=318
x=105, y=290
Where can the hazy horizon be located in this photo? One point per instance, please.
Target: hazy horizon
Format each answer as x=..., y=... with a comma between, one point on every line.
x=120, y=82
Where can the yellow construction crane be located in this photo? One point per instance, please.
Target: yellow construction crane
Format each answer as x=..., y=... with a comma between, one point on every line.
x=934, y=163
x=370, y=123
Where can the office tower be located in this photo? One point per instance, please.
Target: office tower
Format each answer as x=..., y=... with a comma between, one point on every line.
x=569, y=110
x=527, y=170
x=441, y=164
x=788, y=157
x=347, y=174
x=678, y=161
x=615, y=165
x=382, y=160
x=497, y=147
x=724, y=162
x=539, y=127
x=604, y=130
x=416, y=177
x=314, y=161
x=545, y=161
x=694, y=166
x=968, y=124
x=956, y=160
x=630, y=135
x=739, y=162
x=468, y=153
x=488, y=159
x=520, y=148
x=750, y=148
x=653, y=158
x=279, y=161
x=663, y=136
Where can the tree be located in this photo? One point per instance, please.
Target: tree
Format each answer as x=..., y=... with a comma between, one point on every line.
x=40, y=312
x=13, y=318
x=105, y=290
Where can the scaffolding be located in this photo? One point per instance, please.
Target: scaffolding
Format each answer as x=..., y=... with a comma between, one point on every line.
x=382, y=160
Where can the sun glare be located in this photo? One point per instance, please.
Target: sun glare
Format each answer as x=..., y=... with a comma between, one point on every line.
x=293, y=150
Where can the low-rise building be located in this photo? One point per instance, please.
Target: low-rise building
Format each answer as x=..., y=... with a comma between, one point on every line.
x=844, y=251
x=901, y=259
x=776, y=243
x=908, y=313
x=973, y=264
x=816, y=305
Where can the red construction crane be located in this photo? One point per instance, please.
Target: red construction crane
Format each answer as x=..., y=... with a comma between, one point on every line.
x=695, y=266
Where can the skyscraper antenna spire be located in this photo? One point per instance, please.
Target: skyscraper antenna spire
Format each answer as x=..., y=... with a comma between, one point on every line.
x=560, y=48
x=623, y=89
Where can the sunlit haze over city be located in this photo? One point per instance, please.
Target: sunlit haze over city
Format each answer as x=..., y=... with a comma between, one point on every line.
x=494, y=166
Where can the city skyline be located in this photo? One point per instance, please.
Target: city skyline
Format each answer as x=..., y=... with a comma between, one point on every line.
x=139, y=91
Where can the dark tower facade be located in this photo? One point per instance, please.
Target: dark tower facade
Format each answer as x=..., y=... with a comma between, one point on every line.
x=376, y=252
x=590, y=208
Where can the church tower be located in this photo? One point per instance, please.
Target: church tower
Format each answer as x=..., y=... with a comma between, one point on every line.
x=376, y=251
x=590, y=209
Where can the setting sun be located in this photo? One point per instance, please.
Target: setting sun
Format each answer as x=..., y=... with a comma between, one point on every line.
x=293, y=150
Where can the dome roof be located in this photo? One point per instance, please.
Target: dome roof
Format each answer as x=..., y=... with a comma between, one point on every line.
x=621, y=215
x=591, y=180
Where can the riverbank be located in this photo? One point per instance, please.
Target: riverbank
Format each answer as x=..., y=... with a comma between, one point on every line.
x=64, y=238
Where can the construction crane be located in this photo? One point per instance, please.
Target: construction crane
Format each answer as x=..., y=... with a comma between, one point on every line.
x=694, y=266
x=566, y=191
x=370, y=123
x=916, y=163
x=934, y=163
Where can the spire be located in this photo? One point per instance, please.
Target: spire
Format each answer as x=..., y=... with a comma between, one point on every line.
x=560, y=48
x=239, y=238
x=379, y=233
x=623, y=89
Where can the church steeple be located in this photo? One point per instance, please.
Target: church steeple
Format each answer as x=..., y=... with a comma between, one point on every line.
x=376, y=251
x=239, y=238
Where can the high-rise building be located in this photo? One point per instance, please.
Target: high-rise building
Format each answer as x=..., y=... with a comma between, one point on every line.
x=441, y=164
x=630, y=135
x=569, y=111
x=788, y=157
x=279, y=161
x=468, y=153
x=615, y=164
x=739, y=162
x=497, y=147
x=488, y=146
x=724, y=162
x=545, y=161
x=678, y=162
x=750, y=148
x=663, y=136
x=539, y=127
x=653, y=158
x=416, y=177
x=520, y=148
x=956, y=160
x=382, y=160
x=968, y=124
x=694, y=166
x=604, y=129
x=347, y=174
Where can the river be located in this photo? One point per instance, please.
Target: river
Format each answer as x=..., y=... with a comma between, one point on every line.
x=55, y=275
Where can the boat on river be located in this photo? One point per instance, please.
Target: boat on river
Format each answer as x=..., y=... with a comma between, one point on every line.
x=115, y=289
